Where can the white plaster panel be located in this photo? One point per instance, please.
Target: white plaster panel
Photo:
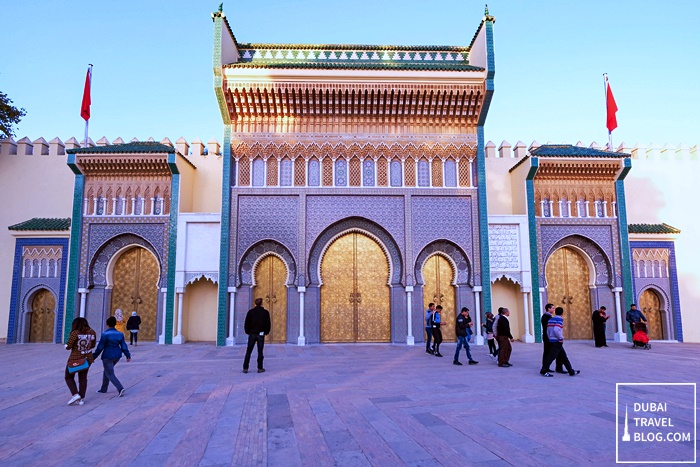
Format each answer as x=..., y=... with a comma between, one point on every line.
x=202, y=246
x=504, y=247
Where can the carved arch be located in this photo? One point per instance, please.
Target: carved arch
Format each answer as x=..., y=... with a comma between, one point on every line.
x=600, y=260
x=254, y=254
x=105, y=255
x=458, y=259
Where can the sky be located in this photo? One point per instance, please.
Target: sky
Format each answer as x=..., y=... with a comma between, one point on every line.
x=152, y=74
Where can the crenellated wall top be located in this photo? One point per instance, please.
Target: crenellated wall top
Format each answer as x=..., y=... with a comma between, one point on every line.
x=651, y=151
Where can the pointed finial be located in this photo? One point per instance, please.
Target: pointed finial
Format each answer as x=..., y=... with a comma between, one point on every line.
x=486, y=10
x=221, y=7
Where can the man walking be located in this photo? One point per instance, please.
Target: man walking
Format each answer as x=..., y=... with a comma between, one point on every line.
x=555, y=334
x=437, y=332
x=111, y=346
x=504, y=338
x=257, y=326
x=429, y=328
x=634, y=316
x=548, y=309
x=462, y=329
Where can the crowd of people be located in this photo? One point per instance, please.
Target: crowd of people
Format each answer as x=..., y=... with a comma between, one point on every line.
x=112, y=344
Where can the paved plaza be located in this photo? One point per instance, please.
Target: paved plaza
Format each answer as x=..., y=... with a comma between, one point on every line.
x=326, y=405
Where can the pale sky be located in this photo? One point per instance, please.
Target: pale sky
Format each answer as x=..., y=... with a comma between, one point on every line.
x=153, y=75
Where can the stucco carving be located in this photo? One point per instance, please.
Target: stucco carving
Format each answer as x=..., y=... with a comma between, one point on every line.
x=458, y=259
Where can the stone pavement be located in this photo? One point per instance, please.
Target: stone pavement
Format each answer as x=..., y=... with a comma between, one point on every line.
x=326, y=405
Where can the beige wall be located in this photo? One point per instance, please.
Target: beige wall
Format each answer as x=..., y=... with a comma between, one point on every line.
x=30, y=186
x=663, y=190
x=199, y=311
x=507, y=294
x=207, y=183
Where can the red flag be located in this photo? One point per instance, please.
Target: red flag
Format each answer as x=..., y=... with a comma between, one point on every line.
x=85, y=107
x=611, y=106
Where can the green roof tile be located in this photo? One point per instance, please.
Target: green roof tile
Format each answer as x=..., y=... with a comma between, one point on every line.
x=569, y=150
x=652, y=229
x=42, y=223
x=137, y=147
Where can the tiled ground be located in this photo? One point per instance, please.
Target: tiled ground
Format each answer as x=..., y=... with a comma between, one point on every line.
x=325, y=405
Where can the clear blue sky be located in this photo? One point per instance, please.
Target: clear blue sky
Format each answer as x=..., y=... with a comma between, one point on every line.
x=153, y=72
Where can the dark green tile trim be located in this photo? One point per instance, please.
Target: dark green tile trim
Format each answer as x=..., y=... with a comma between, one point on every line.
x=625, y=259
x=172, y=252
x=74, y=254
x=483, y=222
x=534, y=257
x=225, y=239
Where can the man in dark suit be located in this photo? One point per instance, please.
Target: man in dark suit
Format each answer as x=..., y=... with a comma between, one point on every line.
x=257, y=326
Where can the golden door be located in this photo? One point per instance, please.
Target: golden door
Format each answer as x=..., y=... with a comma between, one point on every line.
x=270, y=278
x=567, y=287
x=650, y=305
x=355, y=297
x=42, y=321
x=136, y=289
x=438, y=289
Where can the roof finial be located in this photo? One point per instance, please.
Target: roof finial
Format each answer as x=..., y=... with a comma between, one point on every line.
x=221, y=7
x=486, y=10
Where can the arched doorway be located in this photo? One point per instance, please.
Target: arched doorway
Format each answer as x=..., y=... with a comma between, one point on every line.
x=270, y=279
x=438, y=289
x=41, y=327
x=568, y=277
x=355, y=297
x=135, y=288
x=650, y=305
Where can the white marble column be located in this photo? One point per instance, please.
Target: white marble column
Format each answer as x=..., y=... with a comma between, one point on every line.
x=477, y=315
x=83, y=296
x=528, y=337
x=231, y=339
x=542, y=305
x=179, y=339
x=161, y=338
x=410, y=340
x=301, y=340
x=620, y=335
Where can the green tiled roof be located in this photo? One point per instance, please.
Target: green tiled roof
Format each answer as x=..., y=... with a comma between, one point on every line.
x=42, y=223
x=415, y=48
x=137, y=147
x=652, y=229
x=569, y=150
x=418, y=66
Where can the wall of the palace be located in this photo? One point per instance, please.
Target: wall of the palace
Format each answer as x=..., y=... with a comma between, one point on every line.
x=199, y=311
x=658, y=189
x=507, y=294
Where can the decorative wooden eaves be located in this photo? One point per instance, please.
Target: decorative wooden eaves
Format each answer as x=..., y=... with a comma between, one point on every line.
x=578, y=169
x=458, y=103
x=132, y=165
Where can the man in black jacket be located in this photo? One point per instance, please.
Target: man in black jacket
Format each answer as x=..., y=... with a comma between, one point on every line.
x=462, y=325
x=257, y=326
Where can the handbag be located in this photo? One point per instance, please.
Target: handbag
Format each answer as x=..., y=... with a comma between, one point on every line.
x=80, y=365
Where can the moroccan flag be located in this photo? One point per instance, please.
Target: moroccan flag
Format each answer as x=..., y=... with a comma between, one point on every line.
x=611, y=107
x=85, y=107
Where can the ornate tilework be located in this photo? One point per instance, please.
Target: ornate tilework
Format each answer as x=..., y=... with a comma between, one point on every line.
x=286, y=172
x=98, y=273
x=368, y=172
x=314, y=173
x=341, y=174
x=450, y=173
x=267, y=217
x=260, y=250
x=395, y=173
x=595, y=253
x=457, y=258
x=355, y=224
x=258, y=172
x=432, y=214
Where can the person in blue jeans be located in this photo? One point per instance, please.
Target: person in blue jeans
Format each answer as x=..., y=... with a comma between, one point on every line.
x=111, y=346
x=429, y=328
x=463, y=330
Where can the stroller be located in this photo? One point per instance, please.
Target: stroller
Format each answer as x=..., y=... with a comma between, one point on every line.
x=640, y=339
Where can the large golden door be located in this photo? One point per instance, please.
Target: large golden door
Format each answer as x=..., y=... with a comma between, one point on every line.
x=650, y=305
x=567, y=287
x=136, y=289
x=270, y=277
x=43, y=316
x=438, y=289
x=355, y=297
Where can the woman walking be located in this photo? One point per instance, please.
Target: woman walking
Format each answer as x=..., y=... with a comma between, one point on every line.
x=81, y=341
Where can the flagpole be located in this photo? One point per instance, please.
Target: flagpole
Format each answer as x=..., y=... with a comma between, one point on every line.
x=87, y=120
x=605, y=91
